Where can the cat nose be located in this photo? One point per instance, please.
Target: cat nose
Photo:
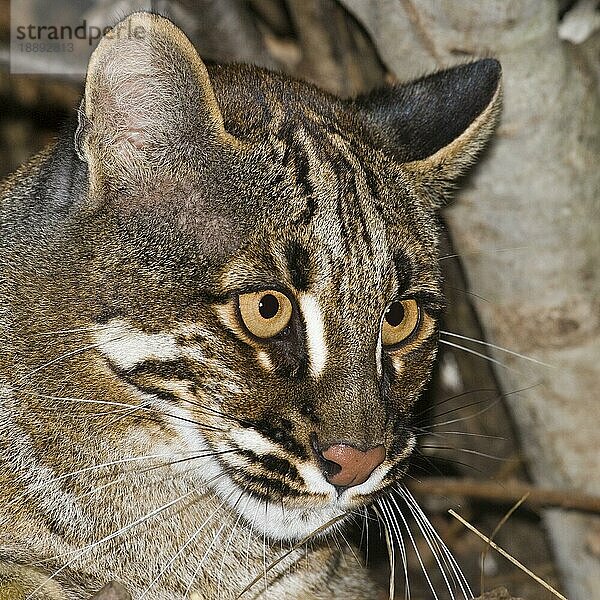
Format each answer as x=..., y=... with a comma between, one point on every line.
x=345, y=466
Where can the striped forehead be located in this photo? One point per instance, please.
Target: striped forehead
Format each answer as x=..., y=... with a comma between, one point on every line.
x=340, y=197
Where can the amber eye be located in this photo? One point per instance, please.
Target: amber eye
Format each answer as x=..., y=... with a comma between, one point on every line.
x=265, y=313
x=399, y=321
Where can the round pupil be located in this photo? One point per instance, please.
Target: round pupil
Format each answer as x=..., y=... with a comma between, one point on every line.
x=268, y=306
x=395, y=314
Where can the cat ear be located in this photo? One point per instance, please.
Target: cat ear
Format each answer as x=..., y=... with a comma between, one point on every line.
x=147, y=92
x=435, y=126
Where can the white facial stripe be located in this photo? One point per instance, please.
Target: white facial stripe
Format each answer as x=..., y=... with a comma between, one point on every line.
x=379, y=351
x=314, y=479
x=250, y=439
x=264, y=360
x=127, y=346
x=315, y=333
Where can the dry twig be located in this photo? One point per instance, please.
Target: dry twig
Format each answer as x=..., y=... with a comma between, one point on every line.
x=507, y=491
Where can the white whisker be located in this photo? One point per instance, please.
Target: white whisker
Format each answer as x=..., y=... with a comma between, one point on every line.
x=433, y=547
x=400, y=539
x=229, y=540
x=250, y=531
x=418, y=513
x=206, y=554
x=131, y=407
x=122, y=530
x=391, y=551
x=463, y=433
x=184, y=546
x=500, y=348
x=479, y=252
x=479, y=354
x=264, y=556
x=418, y=554
x=465, y=450
x=41, y=486
x=63, y=357
x=76, y=330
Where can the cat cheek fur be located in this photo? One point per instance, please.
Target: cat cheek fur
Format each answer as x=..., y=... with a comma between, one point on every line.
x=140, y=424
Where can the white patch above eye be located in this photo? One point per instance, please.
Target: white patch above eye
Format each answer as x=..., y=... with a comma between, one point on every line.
x=264, y=360
x=127, y=346
x=315, y=333
x=250, y=439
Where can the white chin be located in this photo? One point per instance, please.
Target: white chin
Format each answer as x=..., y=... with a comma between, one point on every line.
x=291, y=524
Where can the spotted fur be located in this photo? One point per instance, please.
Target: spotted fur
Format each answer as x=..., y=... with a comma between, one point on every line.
x=146, y=436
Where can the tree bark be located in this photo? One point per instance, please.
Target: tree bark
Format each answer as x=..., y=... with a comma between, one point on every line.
x=527, y=224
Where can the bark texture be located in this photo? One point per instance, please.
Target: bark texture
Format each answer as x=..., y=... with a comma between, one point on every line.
x=527, y=223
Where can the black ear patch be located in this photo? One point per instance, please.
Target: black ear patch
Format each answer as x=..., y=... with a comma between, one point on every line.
x=414, y=120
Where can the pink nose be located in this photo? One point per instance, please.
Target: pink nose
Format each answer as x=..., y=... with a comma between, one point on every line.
x=355, y=466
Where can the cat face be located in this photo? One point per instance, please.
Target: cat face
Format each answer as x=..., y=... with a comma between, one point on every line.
x=317, y=333
x=256, y=268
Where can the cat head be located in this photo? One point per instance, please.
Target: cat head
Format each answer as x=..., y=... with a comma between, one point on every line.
x=257, y=265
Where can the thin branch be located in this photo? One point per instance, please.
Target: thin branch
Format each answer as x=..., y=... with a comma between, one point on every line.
x=507, y=492
x=506, y=555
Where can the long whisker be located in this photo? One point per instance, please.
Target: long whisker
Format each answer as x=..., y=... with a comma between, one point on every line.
x=229, y=540
x=420, y=516
x=445, y=433
x=433, y=547
x=400, y=539
x=76, y=330
x=479, y=252
x=366, y=530
x=122, y=530
x=464, y=406
x=297, y=545
x=206, y=554
x=455, y=397
x=418, y=554
x=124, y=405
x=465, y=450
x=447, y=460
x=469, y=293
x=195, y=456
x=264, y=540
x=500, y=348
x=358, y=561
x=40, y=487
x=480, y=355
x=65, y=356
x=498, y=399
x=184, y=546
x=390, y=549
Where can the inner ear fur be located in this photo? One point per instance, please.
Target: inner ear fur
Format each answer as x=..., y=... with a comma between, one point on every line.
x=146, y=90
x=435, y=126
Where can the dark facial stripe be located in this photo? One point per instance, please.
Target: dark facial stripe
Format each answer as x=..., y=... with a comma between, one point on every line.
x=265, y=487
x=166, y=369
x=403, y=270
x=373, y=186
x=302, y=171
x=364, y=230
x=293, y=152
x=275, y=464
x=299, y=267
x=307, y=213
x=281, y=435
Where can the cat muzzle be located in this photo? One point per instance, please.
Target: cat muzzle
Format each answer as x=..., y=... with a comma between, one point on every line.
x=345, y=466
